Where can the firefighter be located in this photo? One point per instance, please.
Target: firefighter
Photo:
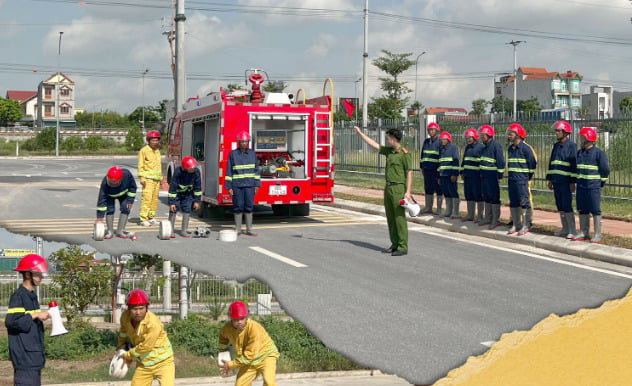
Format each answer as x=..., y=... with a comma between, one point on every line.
x=561, y=177
x=399, y=181
x=429, y=165
x=151, y=349
x=471, y=174
x=256, y=352
x=243, y=181
x=592, y=174
x=119, y=185
x=150, y=174
x=449, y=174
x=24, y=323
x=521, y=166
x=185, y=191
x=492, y=170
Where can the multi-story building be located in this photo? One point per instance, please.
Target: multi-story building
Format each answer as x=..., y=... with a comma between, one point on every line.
x=553, y=90
x=46, y=109
x=599, y=102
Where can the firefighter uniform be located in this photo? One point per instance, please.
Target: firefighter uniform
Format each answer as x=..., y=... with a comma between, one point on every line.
x=592, y=174
x=185, y=189
x=125, y=193
x=471, y=172
x=151, y=350
x=26, y=338
x=242, y=176
x=521, y=166
x=256, y=353
x=398, y=164
x=562, y=173
x=492, y=169
x=448, y=168
x=429, y=167
x=150, y=172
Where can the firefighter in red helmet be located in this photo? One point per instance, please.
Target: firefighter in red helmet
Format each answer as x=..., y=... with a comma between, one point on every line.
x=24, y=323
x=119, y=185
x=150, y=174
x=521, y=165
x=256, y=352
x=243, y=181
x=185, y=192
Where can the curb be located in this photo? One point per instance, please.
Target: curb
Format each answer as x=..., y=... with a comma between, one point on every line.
x=608, y=254
x=215, y=380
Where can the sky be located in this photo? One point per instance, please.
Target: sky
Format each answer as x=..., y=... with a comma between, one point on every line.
x=105, y=49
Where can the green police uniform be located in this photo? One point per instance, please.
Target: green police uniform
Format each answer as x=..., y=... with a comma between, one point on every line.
x=397, y=167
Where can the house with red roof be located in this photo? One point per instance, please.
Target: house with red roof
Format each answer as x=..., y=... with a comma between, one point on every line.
x=27, y=101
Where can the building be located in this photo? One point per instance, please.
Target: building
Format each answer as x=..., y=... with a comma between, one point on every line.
x=553, y=90
x=27, y=101
x=46, y=108
x=599, y=102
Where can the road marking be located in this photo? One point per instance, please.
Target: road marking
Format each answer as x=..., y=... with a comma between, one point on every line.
x=279, y=257
x=78, y=179
x=489, y=343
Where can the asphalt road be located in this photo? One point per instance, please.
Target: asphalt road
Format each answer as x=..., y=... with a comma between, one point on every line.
x=416, y=316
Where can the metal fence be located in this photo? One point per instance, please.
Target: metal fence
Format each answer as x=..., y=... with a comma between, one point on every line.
x=615, y=138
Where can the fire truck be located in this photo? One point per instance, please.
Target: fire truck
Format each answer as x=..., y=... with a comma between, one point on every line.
x=292, y=139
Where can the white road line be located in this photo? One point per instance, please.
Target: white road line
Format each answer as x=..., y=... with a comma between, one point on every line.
x=276, y=256
x=78, y=179
x=551, y=259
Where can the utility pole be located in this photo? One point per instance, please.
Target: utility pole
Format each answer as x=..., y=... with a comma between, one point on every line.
x=58, y=86
x=515, y=43
x=180, y=93
x=416, y=79
x=365, y=58
x=166, y=289
x=143, y=98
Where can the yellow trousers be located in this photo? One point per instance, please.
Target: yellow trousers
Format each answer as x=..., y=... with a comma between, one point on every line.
x=149, y=203
x=164, y=372
x=267, y=369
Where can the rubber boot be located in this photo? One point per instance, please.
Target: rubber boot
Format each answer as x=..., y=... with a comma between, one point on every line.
x=184, y=232
x=570, y=222
x=480, y=208
x=596, y=239
x=455, y=207
x=172, y=220
x=515, y=214
x=495, y=216
x=471, y=208
x=109, y=221
x=584, y=227
x=439, y=205
x=564, y=231
x=120, y=229
x=238, y=219
x=428, y=206
x=526, y=222
x=488, y=215
x=448, y=207
x=249, y=231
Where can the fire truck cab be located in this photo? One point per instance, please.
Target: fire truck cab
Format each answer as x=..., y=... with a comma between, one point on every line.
x=293, y=142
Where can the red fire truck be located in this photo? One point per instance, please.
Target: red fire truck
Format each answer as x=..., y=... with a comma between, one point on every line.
x=293, y=141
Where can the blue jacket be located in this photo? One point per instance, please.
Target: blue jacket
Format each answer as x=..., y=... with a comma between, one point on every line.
x=126, y=189
x=26, y=335
x=592, y=168
x=521, y=162
x=492, y=160
x=471, y=165
x=242, y=170
x=563, y=163
x=184, y=183
x=430, y=154
x=449, y=160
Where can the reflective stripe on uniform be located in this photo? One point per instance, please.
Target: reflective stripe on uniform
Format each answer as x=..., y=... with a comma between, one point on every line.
x=448, y=167
x=197, y=193
x=429, y=160
x=21, y=310
x=245, y=175
x=271, y=349
x=591, y=177
x=561, y=163
x=431, y=152
x=173, y=195
x=131, y=194
x=487, y=159
x=242, y=167
x=517, y=160
x=587, y=167
x=119, y=194
x=470, y=167
x=473, y=159
x=561, y=172
x=102, y=208
x=518, y=170
x=445, y=159
x=155, y=356
x=229, y=178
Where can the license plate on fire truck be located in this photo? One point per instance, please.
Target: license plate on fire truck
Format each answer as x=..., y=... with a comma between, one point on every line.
x=278, y=190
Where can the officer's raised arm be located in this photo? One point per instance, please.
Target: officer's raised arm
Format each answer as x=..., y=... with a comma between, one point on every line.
x=366, y=138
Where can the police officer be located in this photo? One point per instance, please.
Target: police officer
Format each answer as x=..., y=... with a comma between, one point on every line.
x=448, y=174
x=243, y=181
x=119, y=185
x=521, y=166
x=471, y=174
x=492, y=170
x=592, y=174
x=24, y=322
x=399, y=181
x=185, y=191
x=561, y=177
x=429, y=165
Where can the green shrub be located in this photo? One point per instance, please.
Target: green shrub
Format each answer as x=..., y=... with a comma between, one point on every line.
x=4, y=348
x=96, y=142
x=81, y=341
x=72, y=144
x=134, y=139
x=195, y=334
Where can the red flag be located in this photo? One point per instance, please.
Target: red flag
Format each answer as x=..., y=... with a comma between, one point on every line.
x=349, y=107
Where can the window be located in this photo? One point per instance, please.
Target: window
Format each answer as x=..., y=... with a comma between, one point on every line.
x=555, y=84
x=498, y=90
x=65, y=109
x=48, y=92
x=563, y=86
x=48, y=110
x=65, y=92
x=564, y=101
x=575, y=86
x=576, y=101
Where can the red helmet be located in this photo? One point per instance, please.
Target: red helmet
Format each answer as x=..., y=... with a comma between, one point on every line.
x=32, y=263
x=238, y=310
x=152, y=134
x=471, y=132
x=562, y=125
x=589, y=133
x=137, y=297
x=518, y=129
x=115, y=175
x=188, y=162
x=486, y=129
x=243, y=136
x=434, y=125
x=445, y=135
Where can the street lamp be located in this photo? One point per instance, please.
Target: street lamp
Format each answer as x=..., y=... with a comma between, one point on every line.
x=356, y=99
x=143, y=104
x=57, y=108
x=416, y=79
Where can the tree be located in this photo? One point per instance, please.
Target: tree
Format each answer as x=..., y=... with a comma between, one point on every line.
x=479, y=106
x=10, y=111
x=152, y=116
x=530, y=106
x=501, y=104
x=147, y=264
x=625, y=106
x=134, y=139
x=79, y=280
x=584, y=112
x=233, y=86
x=390, y=106
x=274, y=86
x=162, y=109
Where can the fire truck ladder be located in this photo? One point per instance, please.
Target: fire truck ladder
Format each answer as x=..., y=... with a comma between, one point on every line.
x=323, y=159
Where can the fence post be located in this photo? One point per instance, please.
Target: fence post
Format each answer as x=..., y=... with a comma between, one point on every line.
x=379, y=140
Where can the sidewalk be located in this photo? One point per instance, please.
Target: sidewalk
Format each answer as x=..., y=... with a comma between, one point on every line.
x=540, y=217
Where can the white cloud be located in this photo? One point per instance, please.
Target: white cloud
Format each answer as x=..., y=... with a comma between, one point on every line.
x=321, y=46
